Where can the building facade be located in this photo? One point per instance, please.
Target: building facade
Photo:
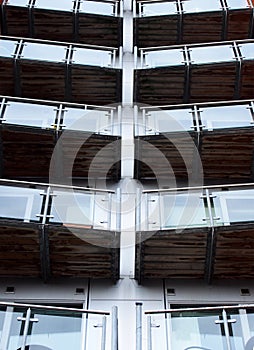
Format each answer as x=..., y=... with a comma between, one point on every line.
x=126, y=185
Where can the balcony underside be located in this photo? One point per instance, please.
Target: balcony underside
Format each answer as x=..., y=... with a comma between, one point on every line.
x=193, y=28
x=225, y=154
x=57, y=81
x=197, y=83
x=34, y=250
x=61, y=26
x=226, y=253
x=27, y=153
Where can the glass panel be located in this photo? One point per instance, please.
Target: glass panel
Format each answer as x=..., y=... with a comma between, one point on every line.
x=2, y=317
x=92, y=57
x=22, y=3
x=63, y=5
x=210, y=54
x=58, y=332
x=236, y=336
x=44, y=52
x=196, y=330
x=163, y=58
x=20, y=203
x=97, y=7
x=169, y=121
x=7, y=48
x=72, y=208
x=29, y=114
x=234, y=206
x=201, y=5
x=15, y=339
x=161, y=8
x=94, y=333
x=226, y=117
x=183, y=210
x=247, y=50
x=250, y=320
x=87, y=120
x=237, y=4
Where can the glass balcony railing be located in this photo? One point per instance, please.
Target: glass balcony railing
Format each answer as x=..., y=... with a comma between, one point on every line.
x=101, y=7
x=59, y=116
x=188, y=55
x=198, y=117
x=205, y=328
x=25, y=326
x=204, y=207
x=79, y=207
x=167, y=7
x=58, y=52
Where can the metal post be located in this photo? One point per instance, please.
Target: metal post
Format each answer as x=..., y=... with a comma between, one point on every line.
x=114, y=340
x=103, y=334
x=27, y=321
x=139, y=326
x=149, y=333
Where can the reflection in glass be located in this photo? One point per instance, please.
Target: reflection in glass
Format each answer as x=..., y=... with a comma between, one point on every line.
x=197, y=329
x=7, y=48
x=72, y=208
x=63, y=5
x=201, y=5
x=15, y=339
x=20, y=203
x=163, y=58
x=44, y=52
x=29, y=114
x=234, y=206
x=225, y=117
x=210, y=54
x=247, y=50
x=58, y=332
x=169, y=121
x=97, y=7
x=161, y=8
x=183, y=210
x=87, y=120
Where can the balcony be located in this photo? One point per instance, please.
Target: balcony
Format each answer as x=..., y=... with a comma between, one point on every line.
x=63, y=71
x=203, y=327
x=162, y=23
x=210, y=141
x=50, y=231
x=202, y=233
x=32, y=326
x=88, y=22
x=44, y=138
x=195, y=73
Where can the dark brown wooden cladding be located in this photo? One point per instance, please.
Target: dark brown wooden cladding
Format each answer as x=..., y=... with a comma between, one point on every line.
x=48, y=80
x=20, y=249
x=59, y=26
x=27, y=153
x=83, y=252
x=195, y=28
x=201, y=83
x=171, y=254
x=234, y=252
x=69, y=254
x=226, y=154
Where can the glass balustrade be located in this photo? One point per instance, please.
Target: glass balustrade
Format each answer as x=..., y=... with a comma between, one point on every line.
x=21, y=3
x=211, y=54
x=7, y=48
x=247, y=50
x=37, y=51
x=92, y=57
x=97, y=7
x=20, y=203
x=238, y=4
x=29, y=114
x=63, y=5
x=88, y=120
x=225, y=117
x=160, y=58
x=158, y=8
x=201, y=6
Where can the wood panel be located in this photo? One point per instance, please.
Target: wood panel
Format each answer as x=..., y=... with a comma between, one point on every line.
x=7, y=77
x=239, y=24
x=16, y=21
x=247, y=88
